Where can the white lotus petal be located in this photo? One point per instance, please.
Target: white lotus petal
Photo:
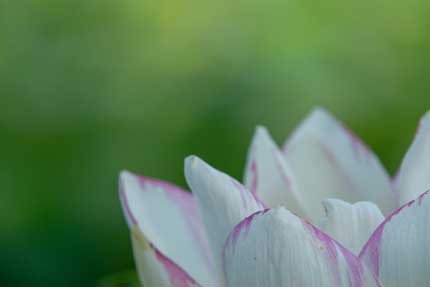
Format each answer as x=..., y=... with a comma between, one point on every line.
x=350, y=224
x=414, y=175
x=268, y=175
x=223, y=202
x=168, y=219
x=276, y=248
x=328, y=161
x=398, y=251
x=154, y=268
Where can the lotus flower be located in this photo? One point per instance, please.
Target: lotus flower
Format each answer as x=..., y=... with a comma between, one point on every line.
x=320, y=212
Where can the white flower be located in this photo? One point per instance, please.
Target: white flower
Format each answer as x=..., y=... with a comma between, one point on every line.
x=320, y=212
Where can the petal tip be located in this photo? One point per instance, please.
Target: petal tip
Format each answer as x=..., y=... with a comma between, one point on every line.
x=191, y=163
x=190, y=159
x=319, y=118
x=320, y=111
x=125, y=175
x=321, y=114
x=196, y=171
x=261, y=130
x=261, y=137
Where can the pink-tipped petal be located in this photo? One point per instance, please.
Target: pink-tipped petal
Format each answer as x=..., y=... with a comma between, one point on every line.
x=329, y=161
x=276, y=248
x=167, y=217
x=398, y=251
x=268, y=175
x=222, y=201
x=413, y=177
x=154, y=268
x=350, y=224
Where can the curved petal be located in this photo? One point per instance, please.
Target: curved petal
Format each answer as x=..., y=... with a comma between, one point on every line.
x=398, y=251
x=328, y=161
x=276, y=248
x=350, y=224
x=154, y=268
x=413, y=177
x=168, y=219
x=223, y=202
x=268, y=175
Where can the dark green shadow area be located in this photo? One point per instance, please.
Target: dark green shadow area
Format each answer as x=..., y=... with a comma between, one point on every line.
x=125, y=279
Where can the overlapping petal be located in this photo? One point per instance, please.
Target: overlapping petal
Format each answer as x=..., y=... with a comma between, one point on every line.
x=413, y=177
x=350, y=224
x=167, y=232
x=223, y=202
x=268, y=175
x=154, y=268
x=276, y=248
x=398, y=251
x=328, y=161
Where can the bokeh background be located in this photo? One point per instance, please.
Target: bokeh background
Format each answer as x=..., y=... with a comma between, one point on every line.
x=90, y=87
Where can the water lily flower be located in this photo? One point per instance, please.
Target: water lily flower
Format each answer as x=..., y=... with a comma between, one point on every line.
x=321, y=211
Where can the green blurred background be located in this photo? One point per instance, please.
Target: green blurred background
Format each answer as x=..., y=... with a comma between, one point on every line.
x=90, y=87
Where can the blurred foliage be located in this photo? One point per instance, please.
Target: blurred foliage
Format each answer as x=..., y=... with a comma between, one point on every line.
x=90, y=87
x=126, y=279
